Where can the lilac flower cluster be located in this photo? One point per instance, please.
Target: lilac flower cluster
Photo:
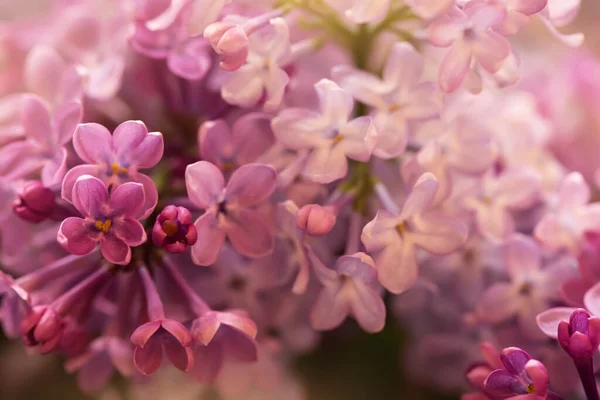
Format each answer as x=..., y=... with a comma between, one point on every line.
x=304, y=158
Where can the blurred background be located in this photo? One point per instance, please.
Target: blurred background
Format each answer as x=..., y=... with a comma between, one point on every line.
x=349, y=364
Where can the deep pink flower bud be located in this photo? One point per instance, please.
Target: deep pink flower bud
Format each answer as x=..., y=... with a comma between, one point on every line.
x=174, y=229
x=35, y=202
x=44, y=327
x=315, y=220
x=579, y=337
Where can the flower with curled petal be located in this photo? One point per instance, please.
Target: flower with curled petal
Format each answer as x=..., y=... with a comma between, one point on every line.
x=229, y=209
x=329, y=134
x=395, y=238
x=110, y=220
x=117, y=158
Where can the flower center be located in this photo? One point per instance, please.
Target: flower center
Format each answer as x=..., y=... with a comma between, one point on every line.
x=401, y=228
x=228, y=166
x=117, y=169
x=530, y=389
x=525, y=289
x=338, y=138
x=103, y=226
x=170, y=228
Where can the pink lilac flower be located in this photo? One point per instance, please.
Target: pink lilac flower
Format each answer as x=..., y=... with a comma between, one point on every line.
x=517, y=14
x=350, y=288
x=229, y=209
x=248, y=138
x=395, y=237
x=118, y=158
x=159, y=334
x=174, y=229
x=263, y=75
x=563, y=226
x=46, y=135
x=531, y=289
x=109, y=219
x=559, y=13
x=399, y=98
x=470, y=34
x=315, y=219
x=521, y=375
x=35, y=203
x=329, y=134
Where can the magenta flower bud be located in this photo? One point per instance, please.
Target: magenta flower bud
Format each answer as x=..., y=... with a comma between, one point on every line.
x=579, y=336
x=35, y=202
x=315, y=220
x=174, y=229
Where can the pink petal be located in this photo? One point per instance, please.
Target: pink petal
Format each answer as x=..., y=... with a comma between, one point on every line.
x=552, y=234
x=275, y=86
x=437, y=233
x=93, y=143
x=591, y=299
x=397, y=267
x=494, y=221
x=447, y=28
x=129, y=230
x=89, y=196
x=529, y=7
x=548, y=320
x=336, y=104
x=367, y=307
x=127, y=200
x=244, y=87
x=250, y=234
x=539, y=376
x=490, y=50
x=522, y=256
x=37, y=121
x=425, y=102
x=210, y=239
x=147, y=359
x=95, y=373
x=392, y=136
x=43, y=71
x=251, y=185
x=75, y=236
x=66, y=120
x=499, y=303
x=73, y=174
x=455, y=66
x=381, y=232
x=144, y=332
x=115, y=250
x=182, y=357
x=364, y=87
x=329, y=310
x=55, y=168
x=326, y=164
x=359, y=138
x=252, y=136
x=150, y=193
x=190, y=61
x=214, y=138
x=204, y=182
x=421, y=196
x=404, y=66
x=299, y=128
x=127, y=137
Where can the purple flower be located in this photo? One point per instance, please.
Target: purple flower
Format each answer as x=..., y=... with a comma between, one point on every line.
x=116, y=159
x=96, y=366
x=229, y=148
x=108, y=219
x=531, y=288
x=228, y=209
x=46, y=134
x=159, y=334
x=394, y=238
x=351, y=288
x=522, y=375
x=315, y=219
x=580, y=336
x=174, y=229
x=329, y=134
x=221, y=336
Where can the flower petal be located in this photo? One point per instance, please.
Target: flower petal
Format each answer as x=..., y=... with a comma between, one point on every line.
x=548, y=320
x=250, y=234
x=93, y=143
x=329, y=311
x=127, y=200
x=210, y=239
x=75, y=236
x=89, y=196
x=204, y=183
x=129, y=230
x=147, y=359
x=115, y=250
x=251, y=185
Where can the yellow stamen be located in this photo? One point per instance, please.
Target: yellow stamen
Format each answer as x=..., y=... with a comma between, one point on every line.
x=530, y=389
x=103, y=226
x=394, y=107
x=117, y=169
x=337, y=139
x=170, y=228
x=228, y=167
x=400, y=228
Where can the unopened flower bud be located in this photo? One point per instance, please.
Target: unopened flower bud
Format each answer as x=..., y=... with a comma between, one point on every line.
x=315, y=220
x=174, y=229
x=579, y=336
x=230, y=41
x=35, y=202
